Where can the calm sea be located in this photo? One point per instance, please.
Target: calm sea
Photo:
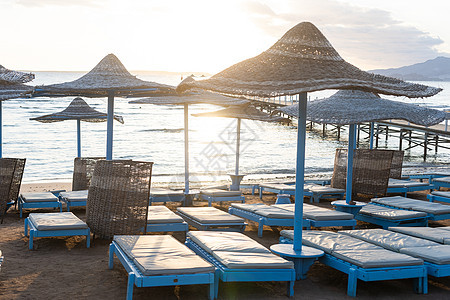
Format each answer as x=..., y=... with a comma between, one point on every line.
x=155, y=133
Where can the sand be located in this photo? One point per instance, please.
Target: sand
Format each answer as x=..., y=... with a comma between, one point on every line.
x=63, y=268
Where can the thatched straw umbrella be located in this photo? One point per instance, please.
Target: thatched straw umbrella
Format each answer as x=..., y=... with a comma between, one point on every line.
x=246, y=111
x=185, y=100
x=302, y=61
x=77, y=110
x=11, y=86
x=108, y=78
x=349, y=107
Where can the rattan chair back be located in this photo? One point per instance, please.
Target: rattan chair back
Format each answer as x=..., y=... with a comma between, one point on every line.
x=339, y=177
x=118, y=198
x=7, y=167
x=397, y=164
x=83, y=169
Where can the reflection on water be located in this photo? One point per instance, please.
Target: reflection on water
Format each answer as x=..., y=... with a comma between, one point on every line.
x=155, y=133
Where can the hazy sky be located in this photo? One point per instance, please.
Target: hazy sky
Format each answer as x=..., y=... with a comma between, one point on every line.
x=210, y=35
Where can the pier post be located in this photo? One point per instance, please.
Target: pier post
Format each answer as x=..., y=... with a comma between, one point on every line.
x=425, y=147
x=401, y=140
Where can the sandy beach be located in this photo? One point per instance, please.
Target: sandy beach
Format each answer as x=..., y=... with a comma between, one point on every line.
x=63, y=268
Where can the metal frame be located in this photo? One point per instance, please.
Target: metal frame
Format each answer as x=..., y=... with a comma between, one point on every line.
x=314, y=196
x=244, y=275
x=439, y=184
x=385, y=223
x=135, y=277
x=212, y=199
x=53, y=204
x=213, y=226
x=405, y=190
x=168, y=227
x=433, y=198
x=34, y=233
x=430, y=216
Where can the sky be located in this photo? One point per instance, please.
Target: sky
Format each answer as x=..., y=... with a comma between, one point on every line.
x=211, y=35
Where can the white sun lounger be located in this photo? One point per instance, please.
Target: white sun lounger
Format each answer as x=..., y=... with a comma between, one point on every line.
x=435, y=255
x=238, y=258
x=211, y=218
x=435, y=211
x=166, y=195
x=406, y=186
x=39, y=200
x=74, y=198
x=162, y=219
x=217, y=195
x=388, y=216
x=314, y=191
x=441, y=182
x=362, y=260
x=55, y=224
x=440, y=196
x=435, y=234
x=159, y=260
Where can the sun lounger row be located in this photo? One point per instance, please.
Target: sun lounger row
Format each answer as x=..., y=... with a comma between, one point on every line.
x=436, y=234
x=39, y=200
x=314, y=191
x=362, y=260
x=211, y=195
x=387, y=216
x=283, y=215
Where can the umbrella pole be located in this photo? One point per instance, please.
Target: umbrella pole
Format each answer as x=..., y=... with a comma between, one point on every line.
x=78, y=138
x=372, y=125
x=109, y=126
x=351, y=148
x=300, y=171
x=238, y=144
x=186, y=149
x=1, y=125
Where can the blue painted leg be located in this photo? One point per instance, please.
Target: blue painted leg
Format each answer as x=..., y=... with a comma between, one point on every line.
x=88, y=238
x=302, y=266
x=352, y=280
x=30, y=244
x=26, y=227
x=130, y=285
x=260, y=227
x=260, y=192
x=216, y=284
x=290, y=291
x=211, y=290
x=111, y=256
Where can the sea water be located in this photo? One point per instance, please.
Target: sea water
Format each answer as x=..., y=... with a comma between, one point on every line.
x=155, y=133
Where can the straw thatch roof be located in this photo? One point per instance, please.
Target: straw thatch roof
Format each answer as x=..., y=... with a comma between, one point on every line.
x=14, y=76
x=303, y=60
x=10, y=90
x=244, y=111
x=352, y=107
x=78, y=109
x=109, y=75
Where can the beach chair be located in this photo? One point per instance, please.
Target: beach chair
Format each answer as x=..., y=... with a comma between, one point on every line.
x=238, y=258
x=441, y=182
x=440, y=196
x=162, y=219
x=39, y=200
x=16, y=181
x=211, y=218
x=406, y=186
x=166, y=195
x=83, y=169
x=429, y=176
x=218, y=195
x=434, y=211
x=435, y=234
x=55, y=224
x=362, y=260
x=7, y=168
x=159, y=260
x=435, y=255
x=391, y=217
x=118, y=198
x=312, y=190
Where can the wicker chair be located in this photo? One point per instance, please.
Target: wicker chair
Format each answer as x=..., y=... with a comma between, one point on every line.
x=7, y=176
x=118, y=198
x=397, y=164
x=371, y=170
x=83, y=168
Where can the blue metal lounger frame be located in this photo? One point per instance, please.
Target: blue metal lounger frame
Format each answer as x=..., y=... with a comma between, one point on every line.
x=314, y=197
x=385, y=223
x=244, y=275
x=52, y=204
x=439, y=184
x=135, y=277
x=433, y=198
x=165, y=198
x=34, y=233
x=405, y=190
x=261, y=220
x=419, y=273
x=212, y=199
x=240, y=227
x=168, y=227
x=70, y=204
x=431, y=216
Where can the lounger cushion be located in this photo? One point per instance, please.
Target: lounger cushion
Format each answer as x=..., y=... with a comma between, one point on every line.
x=211, y=241
x=278, y=186
x=164, y=192
x=442, y=179
x=39, y=197
x=433, y=234
x=398, y=183
x=160, y=214
x=161, y=255
x=248, y=260
x=56, y=221
x=321, y=189
x=413, y=204
x=388, y=239
x=209, y=215
x=439, y=254
x=376, y=258
x=74, y=196
x=220, y=193
x=445, y=194
x=328, y=241
x=317, y=213
x=389, y=213
x=266, y=211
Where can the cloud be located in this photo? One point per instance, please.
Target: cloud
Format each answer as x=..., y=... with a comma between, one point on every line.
x=367, y=38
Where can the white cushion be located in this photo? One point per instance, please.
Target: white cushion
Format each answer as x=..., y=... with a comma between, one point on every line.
x=209, y=215
x=439, y=254
x=322, y=189
x=56, y=221
x=160, y=214
x=266, y=210
x=252, y=260
x=161, y=255
x=220, y=193
x=376, y=258
x=430, y=233
x=396, y=183
x=278, y=186
x=317, y=213
x=442, y=179
x=39, y=197
x=413, y=204
x=441, y=193
x=390, y=213
x=74, y=196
